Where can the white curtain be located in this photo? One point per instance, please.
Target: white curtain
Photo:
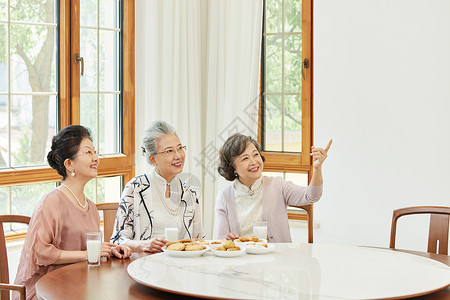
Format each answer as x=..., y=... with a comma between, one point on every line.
x=197, y=67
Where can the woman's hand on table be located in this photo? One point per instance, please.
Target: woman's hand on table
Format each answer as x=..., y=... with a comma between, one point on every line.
x=121, y=251
x=106, y=249
x=232, y=236
x=153, y=245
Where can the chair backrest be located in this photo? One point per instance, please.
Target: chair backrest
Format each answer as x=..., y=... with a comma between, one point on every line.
x=13, y=287
x=309, y=212
x=4, y=271
x=109, y=217
x=439, y=226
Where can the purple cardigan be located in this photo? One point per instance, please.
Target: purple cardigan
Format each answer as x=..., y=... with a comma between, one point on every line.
x=277, y=195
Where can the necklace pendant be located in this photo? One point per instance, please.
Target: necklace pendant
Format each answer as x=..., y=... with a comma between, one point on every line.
x=251, y=193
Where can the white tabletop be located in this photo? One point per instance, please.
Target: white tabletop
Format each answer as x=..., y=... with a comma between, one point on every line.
x=295, y=271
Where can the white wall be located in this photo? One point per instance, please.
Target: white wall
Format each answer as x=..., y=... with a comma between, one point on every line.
x=382, y=92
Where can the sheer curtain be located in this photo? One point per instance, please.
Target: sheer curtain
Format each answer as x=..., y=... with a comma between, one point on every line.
x=197, y=67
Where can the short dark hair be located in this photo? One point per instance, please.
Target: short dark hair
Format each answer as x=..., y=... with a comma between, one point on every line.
x=234, y=146
x=66, y=145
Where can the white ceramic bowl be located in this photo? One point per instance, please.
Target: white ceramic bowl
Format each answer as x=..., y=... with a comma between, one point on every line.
x=259, y=249
x=229, y=253
x=184, y=253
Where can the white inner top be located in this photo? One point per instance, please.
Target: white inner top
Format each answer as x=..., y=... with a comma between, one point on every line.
x=248, y=205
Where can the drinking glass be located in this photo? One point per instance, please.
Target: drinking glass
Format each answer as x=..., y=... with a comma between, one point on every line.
x=260, y=230
x=171, y=231
x=94, y=248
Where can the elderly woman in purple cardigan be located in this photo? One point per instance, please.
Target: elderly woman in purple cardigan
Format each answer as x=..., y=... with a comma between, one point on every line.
x=253, y=197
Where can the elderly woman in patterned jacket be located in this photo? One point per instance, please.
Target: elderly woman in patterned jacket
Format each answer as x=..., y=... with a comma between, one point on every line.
x=151, y=200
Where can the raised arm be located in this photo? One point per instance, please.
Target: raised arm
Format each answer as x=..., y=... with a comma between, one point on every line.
x=319, y=155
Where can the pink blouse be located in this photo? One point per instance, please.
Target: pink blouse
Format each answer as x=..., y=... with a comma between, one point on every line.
x=57, y=224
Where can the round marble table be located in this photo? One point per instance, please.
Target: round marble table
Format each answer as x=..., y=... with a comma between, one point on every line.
x=296, y=271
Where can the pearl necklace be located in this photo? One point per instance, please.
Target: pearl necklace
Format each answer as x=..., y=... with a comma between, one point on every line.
x=173, y=212
x=79, y=203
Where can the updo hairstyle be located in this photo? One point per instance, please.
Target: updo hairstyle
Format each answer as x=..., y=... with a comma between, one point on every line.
x=66, y=145
x=152, y=135
x=234, y=146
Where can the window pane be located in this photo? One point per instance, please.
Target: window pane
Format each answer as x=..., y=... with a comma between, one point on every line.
x=273, y=64
x=88, y=49
x=33, y=124
x=88, y=116
x=273, y=16
x=109, y=124
x=4, y=132
x=108, y=60
x=292, y=16
x=4, y=206
x=273, y=122
x=33, y=58
x=33, y=11
x=108, y=13
x=3, y=60
x=25, y=197
x=292, y=64
x=111, y=189
x=88, y=13
x=283, y=64
x=104, y=189
x=3, y=10
x=274, y=174
x=297, y=178
x=292, y=123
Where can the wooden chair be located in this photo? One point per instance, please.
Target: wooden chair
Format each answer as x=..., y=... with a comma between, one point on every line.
x=309, y=212
x=12, y=287
x=109, y=217
x=439, y=226
x=4, y=272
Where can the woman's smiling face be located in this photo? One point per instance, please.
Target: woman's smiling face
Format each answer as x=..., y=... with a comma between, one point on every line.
x=249, y=165
x=86, y=160
x=169, y=157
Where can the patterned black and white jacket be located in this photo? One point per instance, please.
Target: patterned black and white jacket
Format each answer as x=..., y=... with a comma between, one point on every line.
x=135, y=217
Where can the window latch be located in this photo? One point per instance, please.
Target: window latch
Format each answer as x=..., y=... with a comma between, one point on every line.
x=305, y=65
x=80, y=59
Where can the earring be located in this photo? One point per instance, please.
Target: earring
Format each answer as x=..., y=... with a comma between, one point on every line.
x=73, y=173
x=235, y=174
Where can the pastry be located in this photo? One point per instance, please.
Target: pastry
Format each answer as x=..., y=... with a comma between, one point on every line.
x=229, y=244
x=194, y=247
x=176, y=247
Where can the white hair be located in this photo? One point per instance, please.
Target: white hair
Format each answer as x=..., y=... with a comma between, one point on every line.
x=152, y=135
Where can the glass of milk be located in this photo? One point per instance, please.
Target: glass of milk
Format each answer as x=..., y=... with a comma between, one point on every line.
x=260, y=230
x=171, y=231
x=94, y=248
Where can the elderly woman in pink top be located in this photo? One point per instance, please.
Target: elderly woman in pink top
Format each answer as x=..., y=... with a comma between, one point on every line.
x=253, y=197
x=57, y=231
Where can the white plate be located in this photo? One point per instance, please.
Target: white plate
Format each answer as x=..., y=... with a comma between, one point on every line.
x=249, y=242
x=184, y=253
x=209, y=243
x=214, y=246
x=245, y=244
x=258, y=249
x=229, y=253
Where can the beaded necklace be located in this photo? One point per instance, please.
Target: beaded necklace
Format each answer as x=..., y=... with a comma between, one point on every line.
x=173, y=212
x=79, y=203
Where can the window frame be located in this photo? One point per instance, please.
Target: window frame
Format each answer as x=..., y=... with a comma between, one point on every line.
x=288, y=161
x=69, y=98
